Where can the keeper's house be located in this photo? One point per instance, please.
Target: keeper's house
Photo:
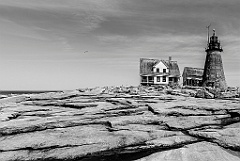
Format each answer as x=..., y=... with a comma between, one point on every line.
x=159, y=72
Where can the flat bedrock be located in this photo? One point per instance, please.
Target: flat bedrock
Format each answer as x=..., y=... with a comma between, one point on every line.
x=119, y=123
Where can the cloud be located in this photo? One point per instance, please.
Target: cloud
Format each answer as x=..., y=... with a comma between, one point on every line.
x=138, y=17
x=61, y=23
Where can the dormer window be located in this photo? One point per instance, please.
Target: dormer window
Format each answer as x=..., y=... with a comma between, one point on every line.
x=164, y=70
x=157, y=70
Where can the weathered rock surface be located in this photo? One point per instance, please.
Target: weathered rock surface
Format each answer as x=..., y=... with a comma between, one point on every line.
x=119, y=123
x=202, y=151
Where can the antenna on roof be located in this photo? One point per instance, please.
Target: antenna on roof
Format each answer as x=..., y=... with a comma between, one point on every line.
x=208, y=32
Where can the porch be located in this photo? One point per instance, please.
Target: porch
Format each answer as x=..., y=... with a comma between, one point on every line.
x=147, y=80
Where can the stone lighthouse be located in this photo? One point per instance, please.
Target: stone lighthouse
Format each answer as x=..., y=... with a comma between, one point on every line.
x=213, y=75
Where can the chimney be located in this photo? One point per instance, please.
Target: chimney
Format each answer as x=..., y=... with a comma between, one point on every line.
x=170, y=59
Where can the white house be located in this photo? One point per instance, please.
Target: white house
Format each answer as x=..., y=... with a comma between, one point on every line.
x=158, y=72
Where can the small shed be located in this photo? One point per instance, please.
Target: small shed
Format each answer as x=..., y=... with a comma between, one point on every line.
x=192, y=76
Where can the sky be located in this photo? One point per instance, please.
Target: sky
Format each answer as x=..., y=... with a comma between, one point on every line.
x=70, y=44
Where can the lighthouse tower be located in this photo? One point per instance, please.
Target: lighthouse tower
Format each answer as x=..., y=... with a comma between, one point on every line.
x=213, y=75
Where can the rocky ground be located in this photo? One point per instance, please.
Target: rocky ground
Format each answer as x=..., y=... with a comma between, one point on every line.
x=120, y=123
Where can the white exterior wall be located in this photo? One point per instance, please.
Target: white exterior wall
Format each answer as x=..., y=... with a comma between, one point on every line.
x=161, y=66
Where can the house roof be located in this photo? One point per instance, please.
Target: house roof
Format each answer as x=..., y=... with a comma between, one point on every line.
x=146, y=66
x=173, y=67
x=192, y=72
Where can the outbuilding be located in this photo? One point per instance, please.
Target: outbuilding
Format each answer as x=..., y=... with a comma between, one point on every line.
x=192, y=76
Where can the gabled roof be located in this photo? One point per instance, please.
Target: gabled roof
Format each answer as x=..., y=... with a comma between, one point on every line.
x=164, y=62
x=193, y=72
x=146, y=66
x=173, y=68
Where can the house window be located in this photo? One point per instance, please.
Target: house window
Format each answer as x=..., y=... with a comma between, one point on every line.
x=164, y=78
x=170, y=79
x=164, y=70
x=144, y=79
x=157, y=70
x=175, y=79
x=158, y=79
x=150, y=79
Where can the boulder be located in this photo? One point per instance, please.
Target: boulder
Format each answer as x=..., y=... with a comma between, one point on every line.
x=202, y=93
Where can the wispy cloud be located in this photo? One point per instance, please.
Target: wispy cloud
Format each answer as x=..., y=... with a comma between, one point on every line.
x=61, y=23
